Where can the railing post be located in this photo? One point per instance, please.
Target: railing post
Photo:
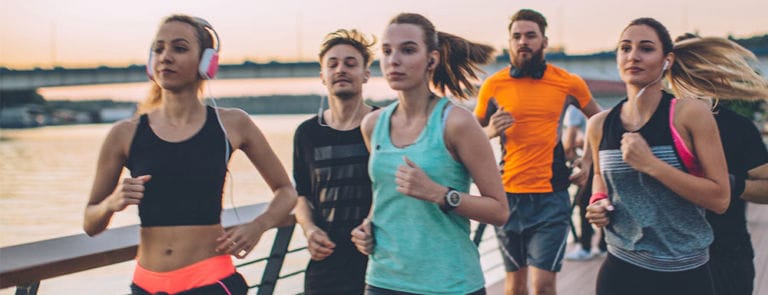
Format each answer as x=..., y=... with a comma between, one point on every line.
x=29, y=289
x=275, y=261
x=479, y=234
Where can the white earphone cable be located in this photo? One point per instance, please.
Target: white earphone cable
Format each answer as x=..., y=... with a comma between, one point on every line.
x=226, y=154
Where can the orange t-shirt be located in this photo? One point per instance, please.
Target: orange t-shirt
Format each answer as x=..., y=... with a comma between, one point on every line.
x=533, y=160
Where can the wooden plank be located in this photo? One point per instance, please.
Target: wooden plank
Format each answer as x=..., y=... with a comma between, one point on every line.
x=33, y=262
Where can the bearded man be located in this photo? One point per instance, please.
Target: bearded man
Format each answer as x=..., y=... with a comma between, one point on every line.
x=524, y=105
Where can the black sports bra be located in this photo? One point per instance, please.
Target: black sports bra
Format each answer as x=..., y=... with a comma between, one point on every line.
x=187, y=176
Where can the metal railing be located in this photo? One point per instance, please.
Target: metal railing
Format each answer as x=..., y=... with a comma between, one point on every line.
x=25, y=266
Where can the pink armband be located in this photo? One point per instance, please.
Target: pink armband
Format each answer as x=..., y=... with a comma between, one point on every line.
x=597, y=196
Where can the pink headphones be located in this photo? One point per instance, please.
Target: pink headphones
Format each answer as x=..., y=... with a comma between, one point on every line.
x=209, y=61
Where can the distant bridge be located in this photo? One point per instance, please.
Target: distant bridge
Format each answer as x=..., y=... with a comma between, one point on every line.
x=600, y=66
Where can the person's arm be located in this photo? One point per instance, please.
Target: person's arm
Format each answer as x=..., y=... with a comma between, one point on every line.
x=570, y=136
x=712, y=190
x=468, y=144
x=362, y=235
x=489, y=113
x=573, y=122
x=597, y=212
x=252, y=142
x=584, y=164
x=498, y=123
x=319, y=244
x=756, y=185
x=107, y=197
x=589, y=107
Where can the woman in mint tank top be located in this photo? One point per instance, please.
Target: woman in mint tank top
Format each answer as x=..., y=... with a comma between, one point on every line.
x=424, y=151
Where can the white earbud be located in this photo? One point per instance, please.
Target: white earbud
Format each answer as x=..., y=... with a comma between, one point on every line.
x=661, y=75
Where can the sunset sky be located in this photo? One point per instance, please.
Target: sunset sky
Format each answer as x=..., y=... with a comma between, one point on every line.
x=86, y=33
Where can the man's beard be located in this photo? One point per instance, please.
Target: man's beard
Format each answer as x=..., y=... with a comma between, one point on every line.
x=528, y=65
x=345, y=94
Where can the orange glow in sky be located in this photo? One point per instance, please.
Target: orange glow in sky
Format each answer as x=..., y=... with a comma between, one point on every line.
x=86, y=33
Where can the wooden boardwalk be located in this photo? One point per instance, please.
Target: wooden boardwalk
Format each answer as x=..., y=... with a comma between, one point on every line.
x=578, y=278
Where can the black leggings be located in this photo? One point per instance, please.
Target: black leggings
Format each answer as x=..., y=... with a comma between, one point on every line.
x=235, y=284
x=619, y=277
x=372, y=290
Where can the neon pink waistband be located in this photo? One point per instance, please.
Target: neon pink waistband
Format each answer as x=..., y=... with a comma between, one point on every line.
x=202, y=273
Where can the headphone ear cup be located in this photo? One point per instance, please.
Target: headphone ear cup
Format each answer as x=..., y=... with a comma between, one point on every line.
x=209, y=64
x=539, y=73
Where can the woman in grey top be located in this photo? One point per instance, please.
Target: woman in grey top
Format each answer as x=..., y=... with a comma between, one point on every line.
x=659, y=162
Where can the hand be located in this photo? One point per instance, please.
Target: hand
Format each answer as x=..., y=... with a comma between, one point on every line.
x=238, y=241
x=597, y=213
x=319, y=244
x=362, y=237
x=635, y=151
x=500, y=121
x=412, y=181
x=129, y=192
x=580, y=172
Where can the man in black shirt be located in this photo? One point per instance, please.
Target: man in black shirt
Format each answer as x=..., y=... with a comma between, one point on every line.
x=330, y=168
x=731, y=253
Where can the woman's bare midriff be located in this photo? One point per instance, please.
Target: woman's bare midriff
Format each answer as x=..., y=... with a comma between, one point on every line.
x=167, y=248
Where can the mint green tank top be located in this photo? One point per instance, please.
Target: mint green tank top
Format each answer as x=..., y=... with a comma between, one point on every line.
x=419, y=248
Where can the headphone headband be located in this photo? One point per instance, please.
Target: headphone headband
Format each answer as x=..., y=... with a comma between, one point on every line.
x=211, y=31
x=209, y=59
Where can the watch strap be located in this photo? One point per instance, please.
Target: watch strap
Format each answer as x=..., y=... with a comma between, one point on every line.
x=447, y=207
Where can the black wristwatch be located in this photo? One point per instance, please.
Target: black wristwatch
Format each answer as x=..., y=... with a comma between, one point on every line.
x=452, y=200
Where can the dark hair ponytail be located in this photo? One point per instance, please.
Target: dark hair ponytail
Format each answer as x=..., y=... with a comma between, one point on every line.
x=460, y=59
x=460, y=64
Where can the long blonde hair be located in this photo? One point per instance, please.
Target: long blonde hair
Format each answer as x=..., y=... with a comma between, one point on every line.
x=714, y=67
x=205, y=40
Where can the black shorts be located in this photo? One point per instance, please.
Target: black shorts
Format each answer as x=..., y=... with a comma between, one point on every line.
x=536, y=232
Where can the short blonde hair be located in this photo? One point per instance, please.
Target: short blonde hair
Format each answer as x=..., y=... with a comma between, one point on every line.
x=352, y=38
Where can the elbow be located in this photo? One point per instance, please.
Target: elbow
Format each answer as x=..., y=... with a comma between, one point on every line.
x=90, y=231
x=294, y=198
x=499, y=221
x=722, y=204
x=501, y=217
x=288, y=195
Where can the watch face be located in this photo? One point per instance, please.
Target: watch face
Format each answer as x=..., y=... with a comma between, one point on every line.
x=454, y=198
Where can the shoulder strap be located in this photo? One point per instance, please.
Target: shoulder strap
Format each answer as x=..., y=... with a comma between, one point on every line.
x=446, y=111
x=689, y=160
